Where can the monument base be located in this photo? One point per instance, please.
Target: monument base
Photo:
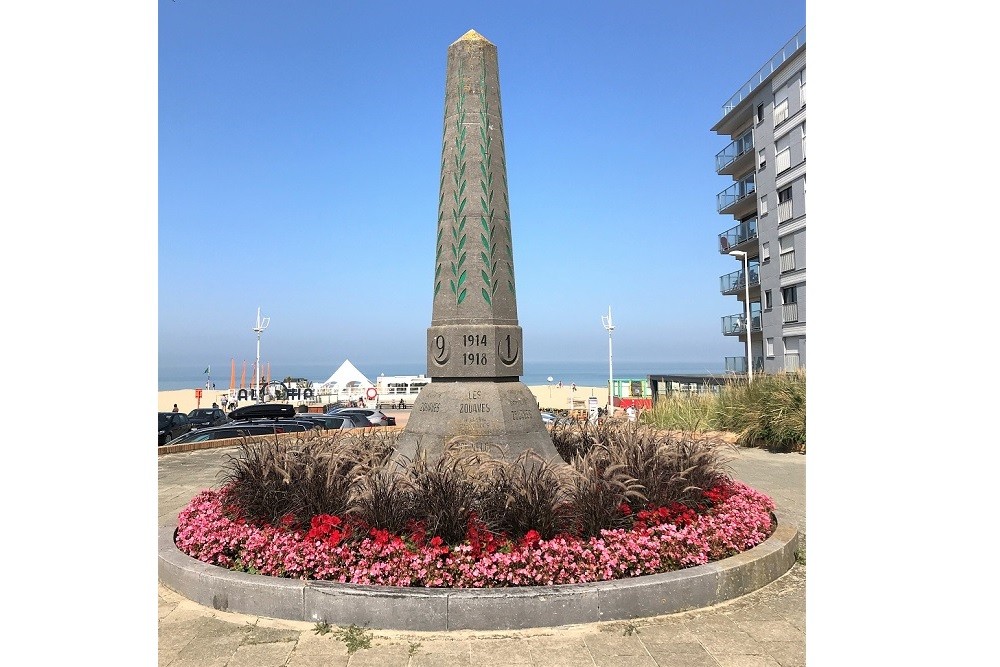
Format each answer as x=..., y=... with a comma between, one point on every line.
x=486, y=412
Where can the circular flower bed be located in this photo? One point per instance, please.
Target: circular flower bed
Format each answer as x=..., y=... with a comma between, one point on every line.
x=731, y=518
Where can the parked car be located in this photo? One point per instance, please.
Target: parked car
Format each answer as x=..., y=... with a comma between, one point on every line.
x=172, y=425
x=202, y=417
x=374, y=415
x=271, y=413
x=329, y=422
x=240, y=430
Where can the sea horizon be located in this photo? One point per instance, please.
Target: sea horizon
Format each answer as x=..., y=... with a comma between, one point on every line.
x=583, y=374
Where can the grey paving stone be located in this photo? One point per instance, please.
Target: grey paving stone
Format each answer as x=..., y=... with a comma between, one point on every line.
x=607, y=644
x=499, y=652
x=380, y=655
x=737, y=641
x=315, y=660
x=262, y=655
x=788, y=654
x=624, y=661
x=668, y=656
x=745, y=660
x=559, y=651
x=672, y=631
x=207, y=652
x=257, y=634
x=768, y=630
x=433, y=652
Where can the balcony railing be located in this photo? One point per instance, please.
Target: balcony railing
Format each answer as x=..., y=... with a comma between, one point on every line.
x=733, y=325
x=783, y=161
x=789, y=312
x=788, y=260
x=785, y=210
x=733, y=282
x=786, y=52
x=738, y=148
x=736, y=192
x=741, y=233
x=739, y=365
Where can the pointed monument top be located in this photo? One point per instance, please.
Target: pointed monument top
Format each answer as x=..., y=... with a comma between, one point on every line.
x=472, y=35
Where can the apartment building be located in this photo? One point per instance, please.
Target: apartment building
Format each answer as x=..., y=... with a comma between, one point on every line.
x=765, y=210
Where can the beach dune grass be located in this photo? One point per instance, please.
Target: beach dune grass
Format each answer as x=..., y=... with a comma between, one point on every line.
x=770, y=412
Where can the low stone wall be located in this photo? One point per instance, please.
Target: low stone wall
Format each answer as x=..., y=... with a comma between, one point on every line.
x=441, y=609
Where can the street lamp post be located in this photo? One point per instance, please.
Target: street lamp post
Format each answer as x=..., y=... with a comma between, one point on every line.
x=746, y=302
x=260, y=326
x=606, y=321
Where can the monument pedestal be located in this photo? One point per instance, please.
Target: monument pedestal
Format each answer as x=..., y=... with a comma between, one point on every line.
x=488, y=412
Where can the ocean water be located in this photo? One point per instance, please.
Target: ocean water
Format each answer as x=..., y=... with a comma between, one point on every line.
x=583, y=374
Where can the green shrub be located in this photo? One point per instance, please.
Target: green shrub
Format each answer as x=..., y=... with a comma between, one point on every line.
x=769, y=412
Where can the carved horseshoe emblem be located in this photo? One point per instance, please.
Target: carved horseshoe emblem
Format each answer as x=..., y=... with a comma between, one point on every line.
x=441, y=352
x=506, y=353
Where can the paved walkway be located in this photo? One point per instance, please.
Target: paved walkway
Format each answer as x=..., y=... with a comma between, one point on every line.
x=764, y=628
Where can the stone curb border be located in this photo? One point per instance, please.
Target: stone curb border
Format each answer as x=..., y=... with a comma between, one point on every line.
x=515, y=608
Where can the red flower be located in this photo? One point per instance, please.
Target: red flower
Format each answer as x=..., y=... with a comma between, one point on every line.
x=531, y=538
x=625, y=509
x=287, y=521
x=436, y=541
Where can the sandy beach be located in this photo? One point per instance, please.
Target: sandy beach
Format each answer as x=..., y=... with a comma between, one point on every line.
x=549, y=398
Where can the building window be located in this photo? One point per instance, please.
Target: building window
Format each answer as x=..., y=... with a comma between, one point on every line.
x=787, y=260
x=789, y=305
x=780, y=112
x=763, y=204
x=782, y=161
x=791, y=360
x=760, y=113
x=767, y=299
x=765, y=252
x=769, y=348
x=802, y=90
x=803, y=142
x=761, y=158
x=785, y=204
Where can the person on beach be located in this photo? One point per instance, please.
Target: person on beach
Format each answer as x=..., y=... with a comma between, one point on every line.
x=631, y=413
x=175, y=408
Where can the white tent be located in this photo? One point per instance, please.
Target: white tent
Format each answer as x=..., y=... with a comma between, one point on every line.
x=347, y=380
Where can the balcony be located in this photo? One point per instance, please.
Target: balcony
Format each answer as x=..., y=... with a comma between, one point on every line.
x=733, y=325
x=733, y=238
x=732, y=153
x=789, y=312
x=732, y=283
x=739, y=365
x=736, y=192
x=779, y=58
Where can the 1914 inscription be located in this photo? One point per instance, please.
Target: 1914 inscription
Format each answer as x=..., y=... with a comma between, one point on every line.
x=474, y=351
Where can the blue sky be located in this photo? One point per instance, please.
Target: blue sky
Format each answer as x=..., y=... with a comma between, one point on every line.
x=298, y=158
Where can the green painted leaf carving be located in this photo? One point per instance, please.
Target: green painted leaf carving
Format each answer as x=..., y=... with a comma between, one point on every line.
x=461, y=279
x=486, y=244
x=461, y=297
x=486, y=277
x=486, y=295
x=452, y=283
x=486, y=260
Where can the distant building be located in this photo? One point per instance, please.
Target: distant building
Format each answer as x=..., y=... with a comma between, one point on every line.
x=766, y=210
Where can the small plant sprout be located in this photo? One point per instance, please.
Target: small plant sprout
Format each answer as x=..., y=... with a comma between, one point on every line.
x=322, y=628
x=354, y=637
x=413, y=648
x=630, y=629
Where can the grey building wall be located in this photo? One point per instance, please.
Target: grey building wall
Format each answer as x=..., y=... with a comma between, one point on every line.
x=776, y=111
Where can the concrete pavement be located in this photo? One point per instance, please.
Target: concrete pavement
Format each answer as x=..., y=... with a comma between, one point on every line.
x=766, y=627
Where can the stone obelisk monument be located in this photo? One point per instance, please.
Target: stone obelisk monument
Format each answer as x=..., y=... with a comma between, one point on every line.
x=474, y=351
